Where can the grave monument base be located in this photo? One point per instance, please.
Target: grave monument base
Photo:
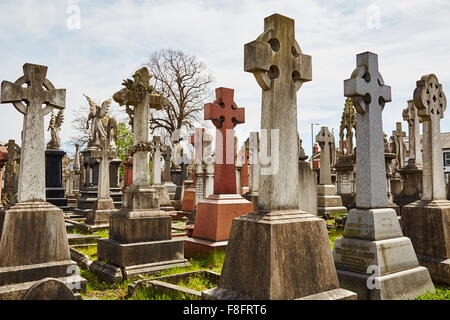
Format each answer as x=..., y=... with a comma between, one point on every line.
x=252, y=197
x=196, y=246
x=291, y=251
x=140, y=239
x=328, y=201
x=427, y=223
x=98, y=218
x=376, y=261
x=36, y=255
x=164, y=198
x=213, y=221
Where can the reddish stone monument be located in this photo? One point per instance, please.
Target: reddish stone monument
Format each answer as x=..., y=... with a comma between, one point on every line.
x=127, y=173
x=216, y=213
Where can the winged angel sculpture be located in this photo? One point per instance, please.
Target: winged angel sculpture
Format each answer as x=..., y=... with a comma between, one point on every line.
x=103, y=127
x=54, y=127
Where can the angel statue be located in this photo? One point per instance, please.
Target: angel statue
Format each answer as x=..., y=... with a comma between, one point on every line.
x=103, y=127
x=54, y=127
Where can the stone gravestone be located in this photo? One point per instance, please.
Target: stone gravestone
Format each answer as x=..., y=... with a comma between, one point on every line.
x=373, y=258
x=102, y=126
x=164, y=198
x=412, y=172
x=98, y=217
x=400, y=150
x=50, y=289
x=278, y=252
x=9, y=194
x=55, y=191
x=427, y=221
x=390, y=166
x=40, y=249
x=244, y=171
x=166, y=178
x=252, y=144
x=140, y=235
x=328, y=202
x=215, y=213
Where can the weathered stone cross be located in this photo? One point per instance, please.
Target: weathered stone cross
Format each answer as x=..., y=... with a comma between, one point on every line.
x=140, y=95
x=225, y=115
x=280, y=68
x=325, y=139
x=158, y=147
x=369, y=94
x=105, y=154
x=28, y=94
x=411, y=117
x=398, y=135
x=431, y=102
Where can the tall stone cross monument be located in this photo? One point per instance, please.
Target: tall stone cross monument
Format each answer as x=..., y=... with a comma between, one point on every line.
x=372, y=229
x=164, y=198
x=426, y=221
x=98, y=218
x=225, y=115
x=216, y=213
x=302, y=264
x=31, y=254
x=325, y=139
x=400, y=147
x=412, y=118
x=28, y=100
x=140, y=231
x=328, y=201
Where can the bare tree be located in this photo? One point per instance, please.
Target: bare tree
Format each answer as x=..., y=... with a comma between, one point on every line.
x=185, y=81
x=82, y=133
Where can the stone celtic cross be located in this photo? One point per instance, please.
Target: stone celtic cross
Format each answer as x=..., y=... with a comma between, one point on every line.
x=369, y=94
x=400, y=147
x=280, y=68
x=158, y=149
x=105, y=153
x=431, y=102
x=411, y=117
x=325, y=140
x=28, y=94
x=225, y=115
x=142, y=96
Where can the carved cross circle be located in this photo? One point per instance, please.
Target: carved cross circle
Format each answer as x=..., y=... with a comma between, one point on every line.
x=429, y=98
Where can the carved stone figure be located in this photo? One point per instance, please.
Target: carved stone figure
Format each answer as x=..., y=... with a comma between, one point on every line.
x=103, y=126
x=54, y=127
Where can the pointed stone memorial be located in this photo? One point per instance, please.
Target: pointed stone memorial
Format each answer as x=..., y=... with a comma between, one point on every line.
x=373, y=258
x=140, y=234
x=328, y=202
x=427, y=221
x=412, y=172
x=216, y=213
x=33, y=243
x=163, y=193
x=279, y=251
x=98, y=217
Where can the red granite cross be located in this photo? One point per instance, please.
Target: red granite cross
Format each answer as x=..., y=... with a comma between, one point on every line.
x=225, y=115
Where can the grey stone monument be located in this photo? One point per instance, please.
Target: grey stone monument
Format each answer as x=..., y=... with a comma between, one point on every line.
x=163, y=193
x=373, y=258
x=412, y=172
x=253, y=164
x=140, y=234
x=427, y=221
x=40, y=249
x=278, y=252
x=328, y=202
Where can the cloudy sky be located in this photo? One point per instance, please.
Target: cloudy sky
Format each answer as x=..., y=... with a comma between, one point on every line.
x=111, y=39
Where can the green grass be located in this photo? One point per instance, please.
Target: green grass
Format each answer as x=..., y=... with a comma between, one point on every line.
x=102, y=233
x=333, y=234
x=90, y=251
x=442, y=293
x=199, y=283
x=102, y=290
